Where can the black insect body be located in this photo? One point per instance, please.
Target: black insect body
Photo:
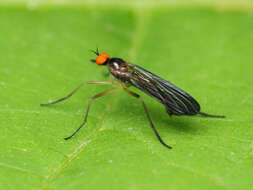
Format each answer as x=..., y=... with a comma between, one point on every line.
x=175, y=100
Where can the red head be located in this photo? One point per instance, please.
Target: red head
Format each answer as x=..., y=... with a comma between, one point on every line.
x=101, y=59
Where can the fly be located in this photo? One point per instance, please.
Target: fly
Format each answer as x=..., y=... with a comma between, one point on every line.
x=175, y=100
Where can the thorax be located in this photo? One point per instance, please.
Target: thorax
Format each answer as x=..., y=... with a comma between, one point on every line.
x=119, y=69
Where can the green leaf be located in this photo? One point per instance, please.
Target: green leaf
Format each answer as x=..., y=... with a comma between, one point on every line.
x=45, y=54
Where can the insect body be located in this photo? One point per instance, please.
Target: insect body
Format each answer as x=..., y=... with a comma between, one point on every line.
x=175, y=100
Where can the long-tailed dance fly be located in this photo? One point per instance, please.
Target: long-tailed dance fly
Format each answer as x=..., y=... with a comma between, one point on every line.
x=175, y=100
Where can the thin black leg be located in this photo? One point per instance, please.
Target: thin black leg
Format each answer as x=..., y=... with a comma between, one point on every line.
x=75, y=90
x=148, y=115
x=88, y=108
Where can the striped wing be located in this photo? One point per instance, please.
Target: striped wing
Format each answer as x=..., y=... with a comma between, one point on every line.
x=176, y=101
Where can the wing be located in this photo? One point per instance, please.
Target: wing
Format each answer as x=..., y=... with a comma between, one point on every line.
x=176, y=101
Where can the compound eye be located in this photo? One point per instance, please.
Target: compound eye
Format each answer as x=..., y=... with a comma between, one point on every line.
x=102, y=58
x=106, y=55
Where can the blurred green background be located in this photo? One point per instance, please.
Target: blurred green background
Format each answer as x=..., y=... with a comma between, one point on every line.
x=204, y=47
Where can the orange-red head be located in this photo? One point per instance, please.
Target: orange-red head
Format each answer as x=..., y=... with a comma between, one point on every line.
x=101, y=59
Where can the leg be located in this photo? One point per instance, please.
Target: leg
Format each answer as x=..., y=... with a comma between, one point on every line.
x=88, y=108
x=75, y=90
x=209, y=115
x=148, y=115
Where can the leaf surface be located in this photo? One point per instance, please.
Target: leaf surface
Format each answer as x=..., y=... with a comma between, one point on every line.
x=45, y=54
